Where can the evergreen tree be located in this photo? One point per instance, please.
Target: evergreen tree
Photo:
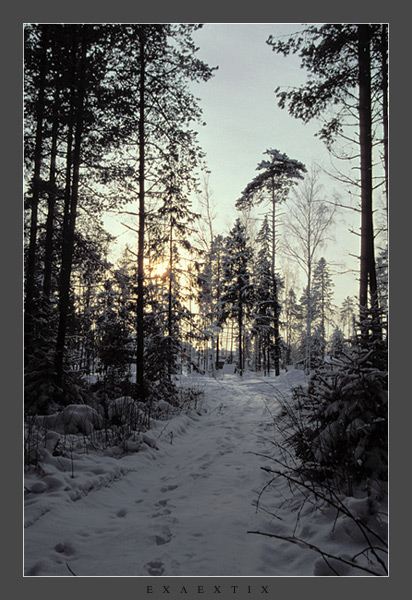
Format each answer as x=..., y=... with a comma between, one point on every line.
x=160, y=64
x=272, y=186
x=73, y=126
x=37, y=58
x=293, y=319
x=264, y=300
x=237, y=298
x=176, y=223
x=322, y=288
x=337, y=343
x=210, y=285
x=114, y=341
x=347, y=316
x=345, y=61
x=382, y=273
x=80, y=148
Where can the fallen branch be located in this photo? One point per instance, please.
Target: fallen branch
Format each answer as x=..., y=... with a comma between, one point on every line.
x=71, y=570
x=325, y=555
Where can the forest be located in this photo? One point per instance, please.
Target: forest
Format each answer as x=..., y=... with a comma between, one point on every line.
x=116, y=343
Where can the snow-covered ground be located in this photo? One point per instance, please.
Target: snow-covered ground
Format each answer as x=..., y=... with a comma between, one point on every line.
x=183, y=508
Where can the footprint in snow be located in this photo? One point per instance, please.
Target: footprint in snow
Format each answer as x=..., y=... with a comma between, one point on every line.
x=164, y=537
x=197, y=475
x=168, y=488
x=161, y=513
x=65, y=548
x=162, y=502
x=155, y=567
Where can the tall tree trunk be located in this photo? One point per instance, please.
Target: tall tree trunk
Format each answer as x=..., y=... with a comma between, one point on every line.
x=48, y=253
x=385, y=111
x=32, y=249
x=308, y=356
x=69, y=228
x=170, y=300
x=240, y=338
x=276, y=357
x=367, y=258
x=323, y=317
x=141, y=231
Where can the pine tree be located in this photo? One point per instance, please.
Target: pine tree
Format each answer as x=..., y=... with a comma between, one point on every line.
x=80, y=148
x=38, y=116
x=209, y=295
x=341, y=60
x=293, y=319
x=272, y=186
x=114, y=341
x=322, y=289
x=160, y=63
x=337, y=343
x=237, y=298
x=347, y=316
x=382, y=274
x=264, y=300
x=77, y=130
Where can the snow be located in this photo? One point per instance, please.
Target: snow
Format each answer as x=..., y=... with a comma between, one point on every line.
x=75, y=418
x=182, y=501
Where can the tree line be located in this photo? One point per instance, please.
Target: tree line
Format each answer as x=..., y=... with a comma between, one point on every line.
x=108, y=115
x=110, y=120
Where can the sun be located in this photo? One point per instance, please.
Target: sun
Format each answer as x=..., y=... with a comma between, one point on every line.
x=158, y=269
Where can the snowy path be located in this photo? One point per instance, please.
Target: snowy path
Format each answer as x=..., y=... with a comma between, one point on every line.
x=181, y=510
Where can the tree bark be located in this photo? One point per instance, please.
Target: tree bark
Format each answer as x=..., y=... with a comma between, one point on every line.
x=48, y=253
x=308, y=358
x=240, y=338
x=367, y=258
x=170, y=300
x=385, y=112
x=32, y=249
x=276, y=357
x=141, y=230
x=70, y=221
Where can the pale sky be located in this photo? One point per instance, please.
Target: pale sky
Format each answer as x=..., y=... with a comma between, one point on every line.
x=240, y=108
x=243, y=120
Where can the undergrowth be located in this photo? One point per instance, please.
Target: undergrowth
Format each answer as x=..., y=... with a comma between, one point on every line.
x=329, y=444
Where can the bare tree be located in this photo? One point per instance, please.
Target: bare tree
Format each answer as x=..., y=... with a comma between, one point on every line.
x=348, y=81
x=307, y=225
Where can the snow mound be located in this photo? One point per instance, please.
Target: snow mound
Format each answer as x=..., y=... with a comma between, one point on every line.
x=75, y=418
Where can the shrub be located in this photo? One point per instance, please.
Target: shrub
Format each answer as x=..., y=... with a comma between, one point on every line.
x=345, y=413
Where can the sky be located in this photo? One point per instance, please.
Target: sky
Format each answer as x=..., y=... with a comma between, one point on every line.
x=240, y=107
x=243, y=120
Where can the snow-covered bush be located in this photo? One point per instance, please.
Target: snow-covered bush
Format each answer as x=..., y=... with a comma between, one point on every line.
x=42, y=395
x=75, y=418
x=161, y=367
x=191, y=392
x=345, y=414
x=331, y=441
x=125, y=410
